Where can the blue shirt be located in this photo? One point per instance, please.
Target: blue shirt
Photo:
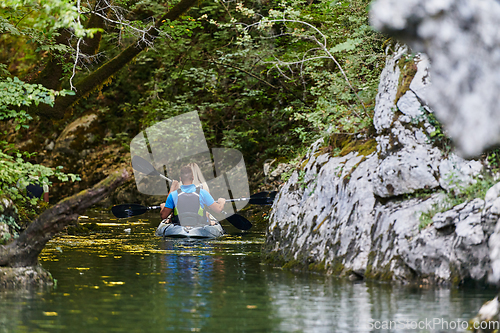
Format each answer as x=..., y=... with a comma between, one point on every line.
x=205, y=197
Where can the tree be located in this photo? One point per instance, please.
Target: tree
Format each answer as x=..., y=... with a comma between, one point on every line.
x=24, y=250
x=68, y=36
x=17, y=96
x=85, y=25
x=218, y=62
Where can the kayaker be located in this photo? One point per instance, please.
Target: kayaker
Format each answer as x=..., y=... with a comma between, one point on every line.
x=188, y=202
x=34, y=187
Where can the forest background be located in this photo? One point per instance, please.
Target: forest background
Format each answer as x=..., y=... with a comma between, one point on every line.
x=267, y=78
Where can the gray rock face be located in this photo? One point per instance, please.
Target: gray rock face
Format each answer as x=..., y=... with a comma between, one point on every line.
x=347, y=214
x=461, y=38
x=12, y=278
x=8, y=216
x=5, y=234
x=74, y=132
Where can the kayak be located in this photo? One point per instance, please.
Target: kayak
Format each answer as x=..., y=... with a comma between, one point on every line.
x=178, y=231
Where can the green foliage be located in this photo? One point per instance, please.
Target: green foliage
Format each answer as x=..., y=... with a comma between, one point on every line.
x=14, y=92
x=286, y=175
x=16, y=174
x=120, y=138
x=44, y=15
x=459, y=195
x=492, y=156
x=13, y=226
x=244, y=74
x=476, y=190
x=218, y=62
x=182, y=28
x=33, y=25
x=301, y=179
x=310, y=37
x=426, y=217
x=438, y=136
x=493, y=159
x=348, y=45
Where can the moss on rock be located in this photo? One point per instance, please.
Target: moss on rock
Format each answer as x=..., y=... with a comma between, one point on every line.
x=24, y=278
x=408, y=70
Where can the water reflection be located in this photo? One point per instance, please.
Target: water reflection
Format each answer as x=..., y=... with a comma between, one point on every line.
x=330, y=305
x=134, y=282
x=189, y=278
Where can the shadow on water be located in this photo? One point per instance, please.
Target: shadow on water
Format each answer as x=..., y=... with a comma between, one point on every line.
x=121, y=280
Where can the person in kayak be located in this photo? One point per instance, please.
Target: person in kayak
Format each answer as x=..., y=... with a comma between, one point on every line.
x=35, y=188
x=188, y=202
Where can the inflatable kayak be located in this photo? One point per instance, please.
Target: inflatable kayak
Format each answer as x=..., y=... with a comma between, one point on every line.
x=178, y=231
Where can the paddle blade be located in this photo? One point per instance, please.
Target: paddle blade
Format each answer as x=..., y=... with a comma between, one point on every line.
x=264, y=194
x=128, y=210
x=239, y=222
x=260, y=201
x=262, y=198
x=143, y=166
x=259, y=195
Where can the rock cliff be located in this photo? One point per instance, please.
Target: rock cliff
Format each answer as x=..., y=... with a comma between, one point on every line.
x=359, y=215
x=461, y=38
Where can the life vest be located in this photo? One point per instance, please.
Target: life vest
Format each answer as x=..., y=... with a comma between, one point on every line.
x=188, y=211
x=34, y=191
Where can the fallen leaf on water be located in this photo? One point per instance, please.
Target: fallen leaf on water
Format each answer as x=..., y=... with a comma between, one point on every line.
x=113, y=283
x=50, y=314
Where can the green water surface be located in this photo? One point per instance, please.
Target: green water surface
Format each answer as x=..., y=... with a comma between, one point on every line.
x=131, y=281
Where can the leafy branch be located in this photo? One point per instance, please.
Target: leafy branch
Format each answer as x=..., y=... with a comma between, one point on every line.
x=15, y=95
x=322, y=46
x=16, y=174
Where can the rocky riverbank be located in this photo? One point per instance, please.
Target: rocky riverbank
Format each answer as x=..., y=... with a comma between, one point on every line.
x=360, y=215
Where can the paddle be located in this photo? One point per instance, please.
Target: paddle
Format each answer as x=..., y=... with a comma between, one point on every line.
x=129, y=210
x=238, y=221
x=143, y=166
x=262, y=198
x=254, y=201
x=265, y=194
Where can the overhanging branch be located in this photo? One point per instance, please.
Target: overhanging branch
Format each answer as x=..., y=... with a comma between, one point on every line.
x=24, y=251
x=97, y=78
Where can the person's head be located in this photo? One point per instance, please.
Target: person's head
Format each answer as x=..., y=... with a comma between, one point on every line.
x=186, y=174
x=198, y=178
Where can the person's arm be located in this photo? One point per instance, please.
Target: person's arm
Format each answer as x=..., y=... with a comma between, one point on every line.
x=46, y=193
x=174, y=187
x=218, y=206
x=165, y=211
x=167, y=207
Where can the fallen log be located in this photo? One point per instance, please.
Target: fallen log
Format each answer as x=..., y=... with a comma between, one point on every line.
x=24, y=251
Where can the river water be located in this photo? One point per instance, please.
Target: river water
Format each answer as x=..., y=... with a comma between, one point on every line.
x=130, y=281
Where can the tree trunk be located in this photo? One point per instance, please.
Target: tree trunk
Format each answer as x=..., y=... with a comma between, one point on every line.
x=90, y=46
x=100, y=76
x=24, y=251
x=51, y=76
